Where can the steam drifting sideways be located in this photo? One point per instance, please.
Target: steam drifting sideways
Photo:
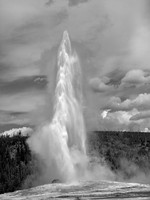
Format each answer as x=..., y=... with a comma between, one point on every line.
x=61, y=143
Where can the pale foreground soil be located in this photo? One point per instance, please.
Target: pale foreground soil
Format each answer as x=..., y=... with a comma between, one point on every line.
x=83, y=190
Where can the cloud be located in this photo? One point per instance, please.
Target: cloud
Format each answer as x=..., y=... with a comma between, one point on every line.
x=49, y=2
x=123, y=58
x=100, y=85
x=123, y=90
x=116, y=75
x=122, y=121
x=136, y=77
x=15, y=13
x=141, y=116
x=122, y=117
x=22, y=102
x=75, y=3
x=121, y=101
x=26, y=109
x=27, y=30
x=32, y=33
x=104, y=113
x=19, y=118
x=40, y=79
x=23, y=84
x=117, y=121
x=130, y=114
x=139, y=44
x=141, y=102
x=42, y=30
x=70, y=2
x=115, y=104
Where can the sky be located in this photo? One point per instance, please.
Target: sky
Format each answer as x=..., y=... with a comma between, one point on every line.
x=112, y=41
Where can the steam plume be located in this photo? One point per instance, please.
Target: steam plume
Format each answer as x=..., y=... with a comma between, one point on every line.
x=61, y=143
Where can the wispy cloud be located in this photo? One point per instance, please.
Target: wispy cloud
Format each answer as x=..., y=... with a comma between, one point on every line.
x=49, y=2
x=75, y=3
x=23, y=84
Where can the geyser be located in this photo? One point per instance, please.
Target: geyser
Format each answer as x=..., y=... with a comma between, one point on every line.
x=67, y=126
x=61, y=143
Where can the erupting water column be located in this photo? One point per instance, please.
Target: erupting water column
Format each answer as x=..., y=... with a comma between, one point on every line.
x=67, y=127
x=60, y=145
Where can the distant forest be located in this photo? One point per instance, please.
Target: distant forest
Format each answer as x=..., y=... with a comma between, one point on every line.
x=15, y=161
x=127, y=154
x=124, y=152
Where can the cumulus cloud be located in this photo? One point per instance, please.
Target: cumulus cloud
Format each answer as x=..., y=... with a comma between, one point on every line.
x=122, y=121
x=118, y=80
x=136, y=77
x=123, y=103
x=117, y=121
x=115, y=104
x=100, y=85
x=122, y=117
x=141, y=115
x=141, y=102
x=131, y=114
x=104, y=113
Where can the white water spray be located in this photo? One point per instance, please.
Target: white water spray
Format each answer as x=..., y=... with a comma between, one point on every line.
x=61, y=144
x=67, y=126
